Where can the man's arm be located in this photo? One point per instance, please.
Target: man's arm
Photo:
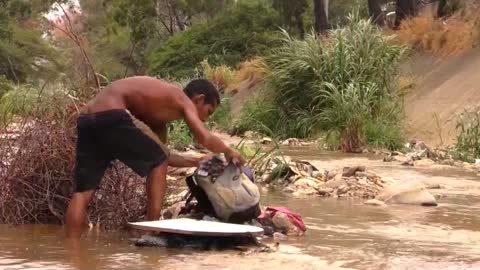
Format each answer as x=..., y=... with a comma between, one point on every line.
x=176, y=160
x=205, y=138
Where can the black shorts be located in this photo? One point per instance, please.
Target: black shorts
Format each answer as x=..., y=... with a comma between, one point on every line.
x=109, y=135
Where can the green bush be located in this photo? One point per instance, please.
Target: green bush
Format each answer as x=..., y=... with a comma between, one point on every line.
x=335, y=83
x=5, y=85
x=259, y=115
x=28, y=101
x=179, y=136
x=221, y=118
x=243, y=31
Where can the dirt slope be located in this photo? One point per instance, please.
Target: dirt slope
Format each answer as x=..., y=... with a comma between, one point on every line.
x=444, y=89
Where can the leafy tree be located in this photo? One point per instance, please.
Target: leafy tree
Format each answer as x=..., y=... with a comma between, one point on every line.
x=23, y=52
x=244, y=30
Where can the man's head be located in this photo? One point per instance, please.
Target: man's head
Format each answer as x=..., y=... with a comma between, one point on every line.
x=204, y=95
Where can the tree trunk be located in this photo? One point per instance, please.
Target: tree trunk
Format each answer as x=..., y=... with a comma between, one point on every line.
x=300, y=25
x=441, y=8
x=404, y=9
x=320, y=12
x=376, y=13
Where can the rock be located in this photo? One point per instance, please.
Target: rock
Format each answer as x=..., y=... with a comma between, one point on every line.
x=375, y=202
x=306, y=185
x=424, y=162
x=328, y=175
x=388, y=159
x=308, y=182
x=407, y=192
x=408, y=162
x=266, y=178
x=268, y=230
x=291, y=142
x=415, y=156
x=325, y=191
x=266, y=140
x=317, y=174
x=336, y=182
x=434, y=186
x=279, y=236
x=342, y=190
x=388, y=180
x=361, y=174
x=350, y=171
x=249, y=134
x=289, y=189
x=173, y=211
x=363, y=182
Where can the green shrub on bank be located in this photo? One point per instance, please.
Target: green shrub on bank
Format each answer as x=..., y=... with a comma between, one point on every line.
x=244, y=30
x=5, y=85
x=339, y=83
x=221, y=118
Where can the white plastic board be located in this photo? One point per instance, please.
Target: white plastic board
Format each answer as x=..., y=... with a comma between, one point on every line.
x=197, y=227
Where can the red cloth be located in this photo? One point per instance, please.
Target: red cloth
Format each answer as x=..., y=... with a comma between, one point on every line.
x=295, y=218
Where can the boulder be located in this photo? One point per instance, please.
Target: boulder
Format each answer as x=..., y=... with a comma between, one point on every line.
x=174, y=210
x=335, y=182
x=266, y=140
x=350, y=171
x=325, y=191
x=407, y=192
x=375, y=202
x=279, y=236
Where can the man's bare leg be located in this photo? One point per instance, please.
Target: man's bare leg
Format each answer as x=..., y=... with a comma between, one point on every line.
x=156, y=185
x=76, y=212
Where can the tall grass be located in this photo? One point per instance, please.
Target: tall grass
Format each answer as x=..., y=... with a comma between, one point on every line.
x=333, y=83
x=467, y=147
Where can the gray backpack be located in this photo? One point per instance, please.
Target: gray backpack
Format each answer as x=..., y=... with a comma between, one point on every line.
x=224, y=192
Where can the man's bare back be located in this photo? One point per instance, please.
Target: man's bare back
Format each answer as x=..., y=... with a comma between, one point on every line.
x=153, y=101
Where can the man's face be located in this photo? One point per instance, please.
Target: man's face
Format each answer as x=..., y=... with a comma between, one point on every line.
x=204, y=110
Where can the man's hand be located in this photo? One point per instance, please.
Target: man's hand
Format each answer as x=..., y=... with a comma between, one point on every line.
x=234, y=156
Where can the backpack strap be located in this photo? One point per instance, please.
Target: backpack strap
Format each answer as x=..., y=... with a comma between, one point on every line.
x=203, y=203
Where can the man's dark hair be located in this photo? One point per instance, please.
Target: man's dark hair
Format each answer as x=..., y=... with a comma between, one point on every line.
x=203, y=86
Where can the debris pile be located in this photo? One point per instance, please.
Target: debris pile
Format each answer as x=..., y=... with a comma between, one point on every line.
x=303, y=178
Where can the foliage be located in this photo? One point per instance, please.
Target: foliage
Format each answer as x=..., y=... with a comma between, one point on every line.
x=292, y=12
x=332, y=84
x=256, y=115
x=179, y=136
x=338, y=10
x=242, y=31
x=27, y=56
x=467, y=147
x=28, y=101
x=5, y=86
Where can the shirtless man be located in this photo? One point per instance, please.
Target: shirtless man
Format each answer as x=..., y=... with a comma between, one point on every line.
x=127, y=121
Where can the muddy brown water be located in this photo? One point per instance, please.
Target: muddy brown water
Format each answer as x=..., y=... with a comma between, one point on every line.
x=342, y=233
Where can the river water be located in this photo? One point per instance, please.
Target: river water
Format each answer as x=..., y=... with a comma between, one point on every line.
x=342, y=233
